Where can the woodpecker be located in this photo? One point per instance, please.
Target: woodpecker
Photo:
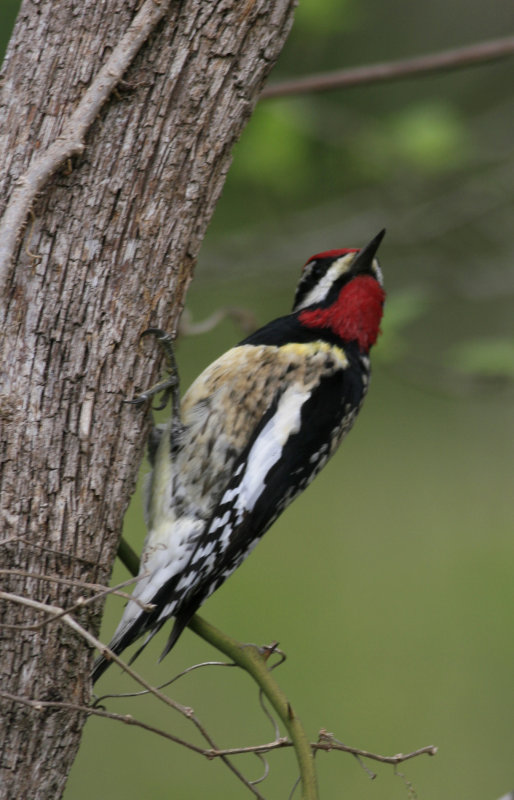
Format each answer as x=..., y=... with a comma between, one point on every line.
x=249, y=436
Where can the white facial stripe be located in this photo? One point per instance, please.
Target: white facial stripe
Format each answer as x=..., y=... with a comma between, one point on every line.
x=318, y=293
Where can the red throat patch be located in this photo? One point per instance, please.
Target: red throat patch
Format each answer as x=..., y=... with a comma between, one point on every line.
x=355, y=315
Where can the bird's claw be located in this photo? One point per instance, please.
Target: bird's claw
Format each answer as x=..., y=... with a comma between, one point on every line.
x=170, y=386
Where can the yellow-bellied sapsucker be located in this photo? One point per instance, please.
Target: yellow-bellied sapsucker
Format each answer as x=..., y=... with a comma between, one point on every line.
x=250, y=434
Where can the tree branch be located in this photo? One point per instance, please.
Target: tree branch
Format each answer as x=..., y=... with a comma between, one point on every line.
x=71, y=141
x=458, y=58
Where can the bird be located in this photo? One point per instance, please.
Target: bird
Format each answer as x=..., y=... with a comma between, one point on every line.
x=249, y=435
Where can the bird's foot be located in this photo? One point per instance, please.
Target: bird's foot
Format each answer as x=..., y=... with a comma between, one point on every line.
x=169, y=386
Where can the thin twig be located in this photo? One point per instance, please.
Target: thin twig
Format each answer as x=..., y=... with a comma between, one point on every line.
x=71, y=140
x=458, y=58
x=127, y=719
x=167, y=683
x=269, y=715
x=293, y=790
x=212, y=753
x=412, y=794
x=101, y=590
x=266, y=770
x=328, y=742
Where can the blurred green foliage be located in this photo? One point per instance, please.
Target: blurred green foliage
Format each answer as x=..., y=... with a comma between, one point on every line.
x=318, y=22
x=488, y=358
x=275, y=149
x=425, y=137
x=389, y=583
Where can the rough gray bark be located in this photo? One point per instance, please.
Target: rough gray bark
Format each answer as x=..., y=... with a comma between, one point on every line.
x=107, y=250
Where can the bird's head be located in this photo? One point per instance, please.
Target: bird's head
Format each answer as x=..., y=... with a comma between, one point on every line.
x=342, y=290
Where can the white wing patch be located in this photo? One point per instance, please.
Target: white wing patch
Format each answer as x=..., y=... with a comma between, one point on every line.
x=268, y=448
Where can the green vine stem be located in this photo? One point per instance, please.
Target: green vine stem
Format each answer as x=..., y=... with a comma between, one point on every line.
x=254, y=661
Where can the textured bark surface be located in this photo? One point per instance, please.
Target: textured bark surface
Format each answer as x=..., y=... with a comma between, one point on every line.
x=107, y=250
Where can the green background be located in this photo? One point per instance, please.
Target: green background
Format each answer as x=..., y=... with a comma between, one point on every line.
x=389, y=583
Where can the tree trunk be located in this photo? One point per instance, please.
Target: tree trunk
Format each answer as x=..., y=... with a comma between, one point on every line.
x=98, y=244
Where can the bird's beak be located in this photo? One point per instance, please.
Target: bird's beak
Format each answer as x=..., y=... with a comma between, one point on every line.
x=364, y=258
